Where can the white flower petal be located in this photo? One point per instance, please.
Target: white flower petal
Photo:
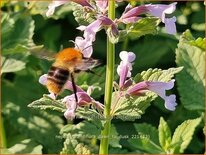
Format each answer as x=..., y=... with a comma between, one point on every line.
x=85, y=46
x=52, y=96
x=81, y=28
x=170, y=102
x=69, y=114
x=131, y=56
x=170, y=25
x=43, y=79
x=127, y=56
x=123, y=56
x=171, y=8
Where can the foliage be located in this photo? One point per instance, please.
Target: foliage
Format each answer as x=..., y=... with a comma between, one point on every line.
x=152, y=140
x=142, y=27
x=191, y=54
x=42, y=129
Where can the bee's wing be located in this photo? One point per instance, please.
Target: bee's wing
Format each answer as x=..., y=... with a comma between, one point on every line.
x=87, y=64
x=42, y=53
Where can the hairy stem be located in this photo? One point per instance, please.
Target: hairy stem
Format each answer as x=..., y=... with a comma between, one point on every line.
x=104, y=144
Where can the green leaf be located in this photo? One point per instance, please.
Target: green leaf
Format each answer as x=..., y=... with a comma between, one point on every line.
x=48, y=103
x=146, y=139
x=118, y=151
x=17, y=29
x=183, y=135
x=149, y=53
x=72, y=146
x=17, y=49
x=114, y=138
x=199, y=42
x=81, y=16
x=5, y=151
x=33, y=124
x=26, y=146
x=144, y=26
x=85, y=132
x=189, y=39
x=84, y=129
x=37, y=7
x=164, y=134
x=157, y=75
x=88, y=113
x=129, y=109
x=192, y=79
x=11, y=65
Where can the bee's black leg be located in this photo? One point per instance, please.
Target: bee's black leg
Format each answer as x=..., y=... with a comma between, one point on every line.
x=74, y=87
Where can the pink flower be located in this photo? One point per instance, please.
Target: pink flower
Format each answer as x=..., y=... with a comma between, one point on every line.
x=83, y=100
x=102, y=5
x=125, y=67
x=130, y=15
x=84, y=45
x=161, y=10
x=157, y=87
x=101, y=22
x=82, y=2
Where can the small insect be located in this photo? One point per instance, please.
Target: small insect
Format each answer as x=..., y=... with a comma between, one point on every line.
x=68, y=62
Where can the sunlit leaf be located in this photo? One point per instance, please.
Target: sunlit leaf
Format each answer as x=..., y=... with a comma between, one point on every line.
x=157, y=74
x=16, y=30
x=114, y=138
x=48, y=103
x=144, y=26
x=37, y=125
x=164, y=134
x=81, y=16
x=11, y=65
x=26, y=146
x=192, y=79
x=84, y=132
x=183, y=135
x=17, y=49
x=72, y=146
x=129, y=109
x=146, y=139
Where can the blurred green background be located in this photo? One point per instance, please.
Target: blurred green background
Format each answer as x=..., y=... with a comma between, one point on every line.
x=24, y=24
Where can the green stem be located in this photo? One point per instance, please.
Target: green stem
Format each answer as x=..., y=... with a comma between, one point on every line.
x=104, y=144
x=3, y=135
x=125, y=44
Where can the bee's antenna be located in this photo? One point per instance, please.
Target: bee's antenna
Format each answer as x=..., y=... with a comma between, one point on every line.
x=74, y=43
x=78, y=46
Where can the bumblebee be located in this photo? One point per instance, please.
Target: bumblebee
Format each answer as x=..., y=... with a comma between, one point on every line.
x=67, y=62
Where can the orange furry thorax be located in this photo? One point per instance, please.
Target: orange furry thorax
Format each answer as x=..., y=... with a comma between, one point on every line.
x=68, y=55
